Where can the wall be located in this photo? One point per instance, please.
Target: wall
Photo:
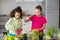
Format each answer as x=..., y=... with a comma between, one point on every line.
x=8, y=5
x=53, y=12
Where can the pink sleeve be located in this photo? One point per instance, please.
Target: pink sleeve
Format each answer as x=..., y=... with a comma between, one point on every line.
x=44, y=20
x=31, y=18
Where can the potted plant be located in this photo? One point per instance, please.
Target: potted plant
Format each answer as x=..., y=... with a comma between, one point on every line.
x=36, y=34
x=50, y=32
x=59, y=33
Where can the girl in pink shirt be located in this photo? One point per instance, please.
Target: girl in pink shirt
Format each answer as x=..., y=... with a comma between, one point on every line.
x=38, y=22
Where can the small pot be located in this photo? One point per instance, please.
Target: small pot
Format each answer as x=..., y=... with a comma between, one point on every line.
x=59, y=36
x=48, y=37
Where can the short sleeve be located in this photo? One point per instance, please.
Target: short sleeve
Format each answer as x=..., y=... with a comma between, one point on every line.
x=31, y=18
x=44, y=20
x=9, y=25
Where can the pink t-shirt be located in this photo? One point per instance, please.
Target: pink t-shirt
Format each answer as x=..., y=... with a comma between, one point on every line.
x=37, y=22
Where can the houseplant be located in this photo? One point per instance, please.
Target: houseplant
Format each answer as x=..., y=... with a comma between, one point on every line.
x=50, y=32
x=59, y=33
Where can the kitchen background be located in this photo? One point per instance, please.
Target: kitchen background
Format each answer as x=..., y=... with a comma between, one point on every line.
x=50, y=11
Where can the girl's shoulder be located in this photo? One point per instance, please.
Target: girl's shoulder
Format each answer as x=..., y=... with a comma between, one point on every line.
x=43, y=16
x=33, y=16
x=10, y=19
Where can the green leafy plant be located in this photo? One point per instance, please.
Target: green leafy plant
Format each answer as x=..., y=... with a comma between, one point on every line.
x=51, y=30
x=41, y=34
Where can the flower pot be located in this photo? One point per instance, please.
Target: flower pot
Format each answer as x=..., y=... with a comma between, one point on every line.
x=48, y=37
x=58, y=36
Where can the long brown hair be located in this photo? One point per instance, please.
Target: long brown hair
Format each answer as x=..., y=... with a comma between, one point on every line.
x=17, y=9
x=40, y=8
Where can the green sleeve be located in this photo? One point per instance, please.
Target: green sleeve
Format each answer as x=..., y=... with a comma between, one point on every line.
x=21, y=24
x=9, y=25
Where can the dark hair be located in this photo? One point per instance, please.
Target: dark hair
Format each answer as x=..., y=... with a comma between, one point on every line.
x=39, y=7
x=17, y=9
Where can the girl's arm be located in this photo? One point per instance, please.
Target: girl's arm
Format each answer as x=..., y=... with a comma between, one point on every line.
x=27, y=19
x=9, y=25
x=30, y=18
x=44, y=25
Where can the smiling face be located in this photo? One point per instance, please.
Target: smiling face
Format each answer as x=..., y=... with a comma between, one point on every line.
x=17, y=15
x=37, y=12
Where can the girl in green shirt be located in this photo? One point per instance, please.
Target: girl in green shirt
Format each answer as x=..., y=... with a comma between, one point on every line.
x=14, y=22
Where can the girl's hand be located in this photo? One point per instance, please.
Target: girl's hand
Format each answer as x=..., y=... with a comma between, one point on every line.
x=20, y=29
x=26, y=19
x=40, y=29
x=35, y=30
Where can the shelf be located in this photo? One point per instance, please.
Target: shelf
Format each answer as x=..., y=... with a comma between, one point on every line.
x=29, y=0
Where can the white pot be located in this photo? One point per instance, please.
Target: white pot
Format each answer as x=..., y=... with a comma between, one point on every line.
x=59, y=36
x=16, y=39
x=47, y=37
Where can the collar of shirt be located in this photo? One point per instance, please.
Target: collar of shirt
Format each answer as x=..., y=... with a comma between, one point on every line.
x=15, y=18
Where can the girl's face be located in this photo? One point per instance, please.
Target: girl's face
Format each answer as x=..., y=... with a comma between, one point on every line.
x=17, y=15
x=37, y=12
